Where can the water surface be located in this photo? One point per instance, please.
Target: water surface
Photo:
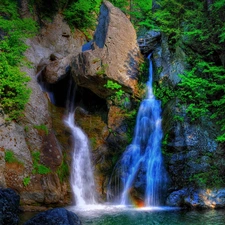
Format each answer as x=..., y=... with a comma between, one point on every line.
x=118, y=215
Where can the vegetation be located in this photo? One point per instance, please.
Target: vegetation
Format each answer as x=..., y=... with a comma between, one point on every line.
x=10, y=157
x=209, y=179
x=115, y=86
x=26, y=181
x=39, y=168
x=42, y=127
x=14, y=93
x=101, y=70
x=63, y=170
x=82, y=14
x=200, y=26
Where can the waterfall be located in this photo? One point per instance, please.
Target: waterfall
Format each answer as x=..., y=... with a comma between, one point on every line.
x=143, y=156
x=82, y=179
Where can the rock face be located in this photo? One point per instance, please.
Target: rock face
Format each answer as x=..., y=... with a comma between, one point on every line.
x=59, y=216
x=148, y=42
x=35, y=131
x=114, y=54
x=194, y=160
x=56, y=54
x=9, y=207
x=168, y=63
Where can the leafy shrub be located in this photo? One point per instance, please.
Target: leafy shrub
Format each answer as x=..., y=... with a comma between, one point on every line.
x=82, y=14
x=115, y=86
x=14, y=93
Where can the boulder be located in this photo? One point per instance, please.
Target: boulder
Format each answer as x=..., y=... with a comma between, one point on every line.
x=197, y=199
x=9, y=207
x=59, y=216
x=53, y=69
x=114, y=54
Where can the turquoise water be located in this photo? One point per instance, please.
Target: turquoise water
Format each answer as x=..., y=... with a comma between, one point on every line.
x=149, y=216
x=163, y=216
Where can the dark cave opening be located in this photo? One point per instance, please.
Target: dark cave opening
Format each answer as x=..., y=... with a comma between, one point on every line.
x=60, y=94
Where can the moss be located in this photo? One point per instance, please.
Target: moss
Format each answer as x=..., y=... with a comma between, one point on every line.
x=11, y=158
x=42, y=128
x=94, y=127
x=39, y=168
x=63, y=170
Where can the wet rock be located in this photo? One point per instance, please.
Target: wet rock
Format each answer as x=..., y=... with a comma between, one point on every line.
x=148, y=42
x=9, y=207
x=169, y=63
x=59, y=216
x=198, y=199
x=176, y=198
x=191, y=151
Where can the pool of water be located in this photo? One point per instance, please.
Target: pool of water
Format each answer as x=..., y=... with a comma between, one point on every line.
x=119, y=215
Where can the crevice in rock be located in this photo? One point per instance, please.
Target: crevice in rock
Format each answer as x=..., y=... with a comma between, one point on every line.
x=84, y=98
x=92, y=103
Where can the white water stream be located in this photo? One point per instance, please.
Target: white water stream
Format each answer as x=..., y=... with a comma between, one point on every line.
x=141, y=163
x=82, y=179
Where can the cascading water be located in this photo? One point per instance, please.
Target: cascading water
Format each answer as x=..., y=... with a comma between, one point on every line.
x=143, y=155
x=82, y=179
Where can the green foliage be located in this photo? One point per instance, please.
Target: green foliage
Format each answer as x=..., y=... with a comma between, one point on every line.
x=14, y=93
x=63, y=171
x=82, y=14
x=112, y=85
x=93, y=142
x=123, y=5
x=42, y=127
x=164, y=90
x=202, y=90
x=26, y=181
x=10, y=157
x=115, y=86
x=130, y=123
x=102, y=69
x=209, y=179
x=37, y=167
x=26, y=128
x=141, y=15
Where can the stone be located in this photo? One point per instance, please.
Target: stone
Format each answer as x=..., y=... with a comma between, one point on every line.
x=191, y=149
x=148, y=42
x=51, y=46
x=59, y=216
x=176, y=198
x=9, y=207
x=114, y=54
x=197, y=199
x=55, y=69
x=169, y=63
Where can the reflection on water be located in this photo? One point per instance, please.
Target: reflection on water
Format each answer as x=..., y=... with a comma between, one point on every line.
x=148, y=216
x=119, y=215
